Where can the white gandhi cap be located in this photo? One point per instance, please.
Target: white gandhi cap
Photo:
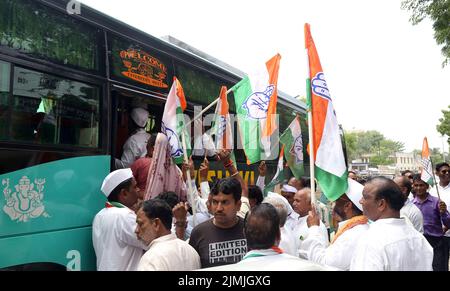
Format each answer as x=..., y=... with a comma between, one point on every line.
x=139, y=116
x=288, y=188
x=114, y=179
x=354, y=192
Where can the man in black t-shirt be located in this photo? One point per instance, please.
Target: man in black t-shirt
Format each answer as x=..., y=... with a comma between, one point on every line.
x=221, y=240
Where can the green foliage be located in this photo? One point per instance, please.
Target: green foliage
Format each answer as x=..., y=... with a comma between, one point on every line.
x=439, y=13
x=381, y=160
x=436, y=155
x=444, y=126
x=371, y=143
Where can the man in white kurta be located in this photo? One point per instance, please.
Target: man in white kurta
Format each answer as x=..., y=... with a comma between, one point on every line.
x=409, y=211
x=390, y=244
x=288, y=242
x=115, y=243
x=136, y=145
x=302, y=206
x=166, y=252
x=271, y=260
x=354, y=225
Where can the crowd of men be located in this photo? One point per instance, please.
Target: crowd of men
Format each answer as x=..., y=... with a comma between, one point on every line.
x=153, y=222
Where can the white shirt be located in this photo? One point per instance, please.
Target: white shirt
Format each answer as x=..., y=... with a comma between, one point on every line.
x=291, y=220
x=116, y=245
x=288, y=243
x=168, y=253
x=134, y=148
x=413, y=214
x=391, y=244
x=269, y=260
x=444, y=192
x=301, y=232
x=261, y=182
x=337, y=254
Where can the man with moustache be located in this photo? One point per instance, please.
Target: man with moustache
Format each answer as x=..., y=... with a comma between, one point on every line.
x=221, y=241
x=353, y=225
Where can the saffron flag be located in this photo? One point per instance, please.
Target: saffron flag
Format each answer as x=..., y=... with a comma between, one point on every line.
x=292, y=141
x=330, y=168
x=256, y=101
x=427, y=168
x=279, y=176
x=173, y=123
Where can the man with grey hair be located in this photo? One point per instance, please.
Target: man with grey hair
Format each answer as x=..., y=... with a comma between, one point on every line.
x=302, y=206
x=287, y=241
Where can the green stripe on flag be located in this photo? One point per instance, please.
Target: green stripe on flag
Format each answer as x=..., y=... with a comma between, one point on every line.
x=308, y=93
x=249, y=129
x=332, y=186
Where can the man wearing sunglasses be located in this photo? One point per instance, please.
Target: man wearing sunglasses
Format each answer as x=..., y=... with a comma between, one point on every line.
x=443, y=173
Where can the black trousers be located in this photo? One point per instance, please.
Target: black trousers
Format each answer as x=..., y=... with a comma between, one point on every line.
x=441, y=252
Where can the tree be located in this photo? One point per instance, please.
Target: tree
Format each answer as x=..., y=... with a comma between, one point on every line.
x=444, y=126
x=436, y=155
x=372, y=143
x=439, y=13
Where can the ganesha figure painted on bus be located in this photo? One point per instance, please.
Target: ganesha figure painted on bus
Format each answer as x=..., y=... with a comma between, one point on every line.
x=26, y=202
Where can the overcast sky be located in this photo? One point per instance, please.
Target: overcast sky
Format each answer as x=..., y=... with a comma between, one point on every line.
x=383, y=73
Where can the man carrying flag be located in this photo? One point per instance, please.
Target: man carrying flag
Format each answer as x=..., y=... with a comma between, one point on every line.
x=256, y=102
x=327, y=157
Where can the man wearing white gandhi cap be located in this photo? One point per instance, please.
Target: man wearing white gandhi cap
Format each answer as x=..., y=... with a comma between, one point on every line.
x=353, y=225
x=136, y=145
x=116, y=245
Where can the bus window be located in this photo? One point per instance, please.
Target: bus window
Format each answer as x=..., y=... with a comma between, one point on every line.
x=35, y=30
x=5, y=71
x=52, y=110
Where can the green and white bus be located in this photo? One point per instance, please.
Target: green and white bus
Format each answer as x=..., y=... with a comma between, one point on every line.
x=67, y=85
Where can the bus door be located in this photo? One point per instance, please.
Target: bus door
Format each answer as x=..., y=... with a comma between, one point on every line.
x=123, y=103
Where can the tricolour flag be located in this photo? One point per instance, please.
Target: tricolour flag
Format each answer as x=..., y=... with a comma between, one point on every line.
x=292, y=141
x=222, y=124
x=330, y=168
x=173, y=123
x=256, y=101
x=221, y=127
x=427, y=168
x=279, y=176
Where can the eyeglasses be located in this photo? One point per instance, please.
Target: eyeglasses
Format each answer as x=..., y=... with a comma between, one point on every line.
x=409, y=176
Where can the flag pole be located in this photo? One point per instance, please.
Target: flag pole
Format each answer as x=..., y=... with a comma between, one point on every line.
x=434, y=178
x=310, y=132
x=204, y=110
x=188, y=178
